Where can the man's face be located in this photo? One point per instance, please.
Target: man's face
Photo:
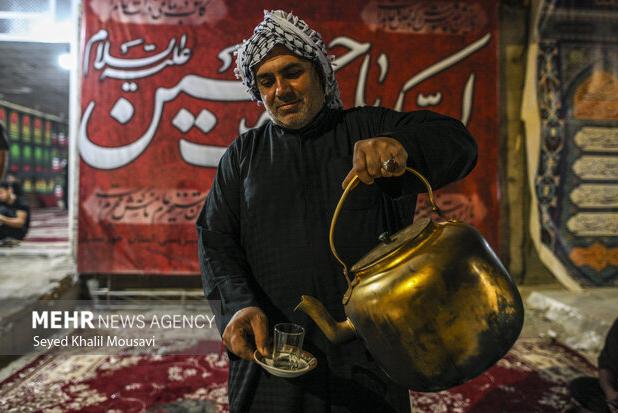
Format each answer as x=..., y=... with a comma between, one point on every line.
x=290, y=88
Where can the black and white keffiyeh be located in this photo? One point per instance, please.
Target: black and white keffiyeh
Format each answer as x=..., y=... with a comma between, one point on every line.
x=279, y=27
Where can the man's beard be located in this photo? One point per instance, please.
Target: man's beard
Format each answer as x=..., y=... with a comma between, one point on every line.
x=299, y=124
x=303, y=114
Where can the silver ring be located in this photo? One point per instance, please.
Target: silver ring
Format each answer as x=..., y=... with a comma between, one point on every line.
x=390, y=165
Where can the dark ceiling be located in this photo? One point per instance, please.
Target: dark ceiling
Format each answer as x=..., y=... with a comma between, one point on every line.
x=30, y=76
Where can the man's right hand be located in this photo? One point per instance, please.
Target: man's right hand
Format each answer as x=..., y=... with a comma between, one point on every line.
x=246, y=331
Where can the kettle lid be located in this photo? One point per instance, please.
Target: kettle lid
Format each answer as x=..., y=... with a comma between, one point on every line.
x=390, y=245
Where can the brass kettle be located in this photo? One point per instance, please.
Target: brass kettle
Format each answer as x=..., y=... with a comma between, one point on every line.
x=433, y=304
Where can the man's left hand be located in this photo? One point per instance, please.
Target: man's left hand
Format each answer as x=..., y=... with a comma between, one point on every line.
x=369, y=156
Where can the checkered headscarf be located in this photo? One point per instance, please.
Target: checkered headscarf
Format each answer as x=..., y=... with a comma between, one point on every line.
x=279, y=27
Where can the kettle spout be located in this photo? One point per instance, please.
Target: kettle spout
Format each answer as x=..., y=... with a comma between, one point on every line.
x=337, y=333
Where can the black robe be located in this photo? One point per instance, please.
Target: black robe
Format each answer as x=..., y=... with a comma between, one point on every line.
x=263, y=241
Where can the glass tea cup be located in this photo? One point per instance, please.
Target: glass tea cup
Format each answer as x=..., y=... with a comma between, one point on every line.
x=288, y=345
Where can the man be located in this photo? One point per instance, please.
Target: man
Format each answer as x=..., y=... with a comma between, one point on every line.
x=601, y=395
x=14, y=215
x=4, y=151
x=263, y=232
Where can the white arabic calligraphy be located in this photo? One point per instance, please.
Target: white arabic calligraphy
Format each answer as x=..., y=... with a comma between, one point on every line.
x=97, y=37
x=383, y=63
x=116, y=67
x=129, y=87
x=124, y=48
x=201, y=155
x=431, y=100
x=102, y=157
x=440, y=66
x=226, y=56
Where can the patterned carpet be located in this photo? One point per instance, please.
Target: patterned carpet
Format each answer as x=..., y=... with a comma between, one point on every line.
x=531, y=378
x=48, y=234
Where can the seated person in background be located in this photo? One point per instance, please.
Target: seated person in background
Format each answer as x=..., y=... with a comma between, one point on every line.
x=15, y=186
x=14, y=214
x=601, y=395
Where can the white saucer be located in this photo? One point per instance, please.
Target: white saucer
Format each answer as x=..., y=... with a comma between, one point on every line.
x=307, y=359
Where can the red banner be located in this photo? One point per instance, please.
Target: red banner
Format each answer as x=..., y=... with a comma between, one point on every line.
x=160, y=104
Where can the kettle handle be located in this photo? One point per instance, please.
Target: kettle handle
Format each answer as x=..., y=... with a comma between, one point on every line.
x=353, y=183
